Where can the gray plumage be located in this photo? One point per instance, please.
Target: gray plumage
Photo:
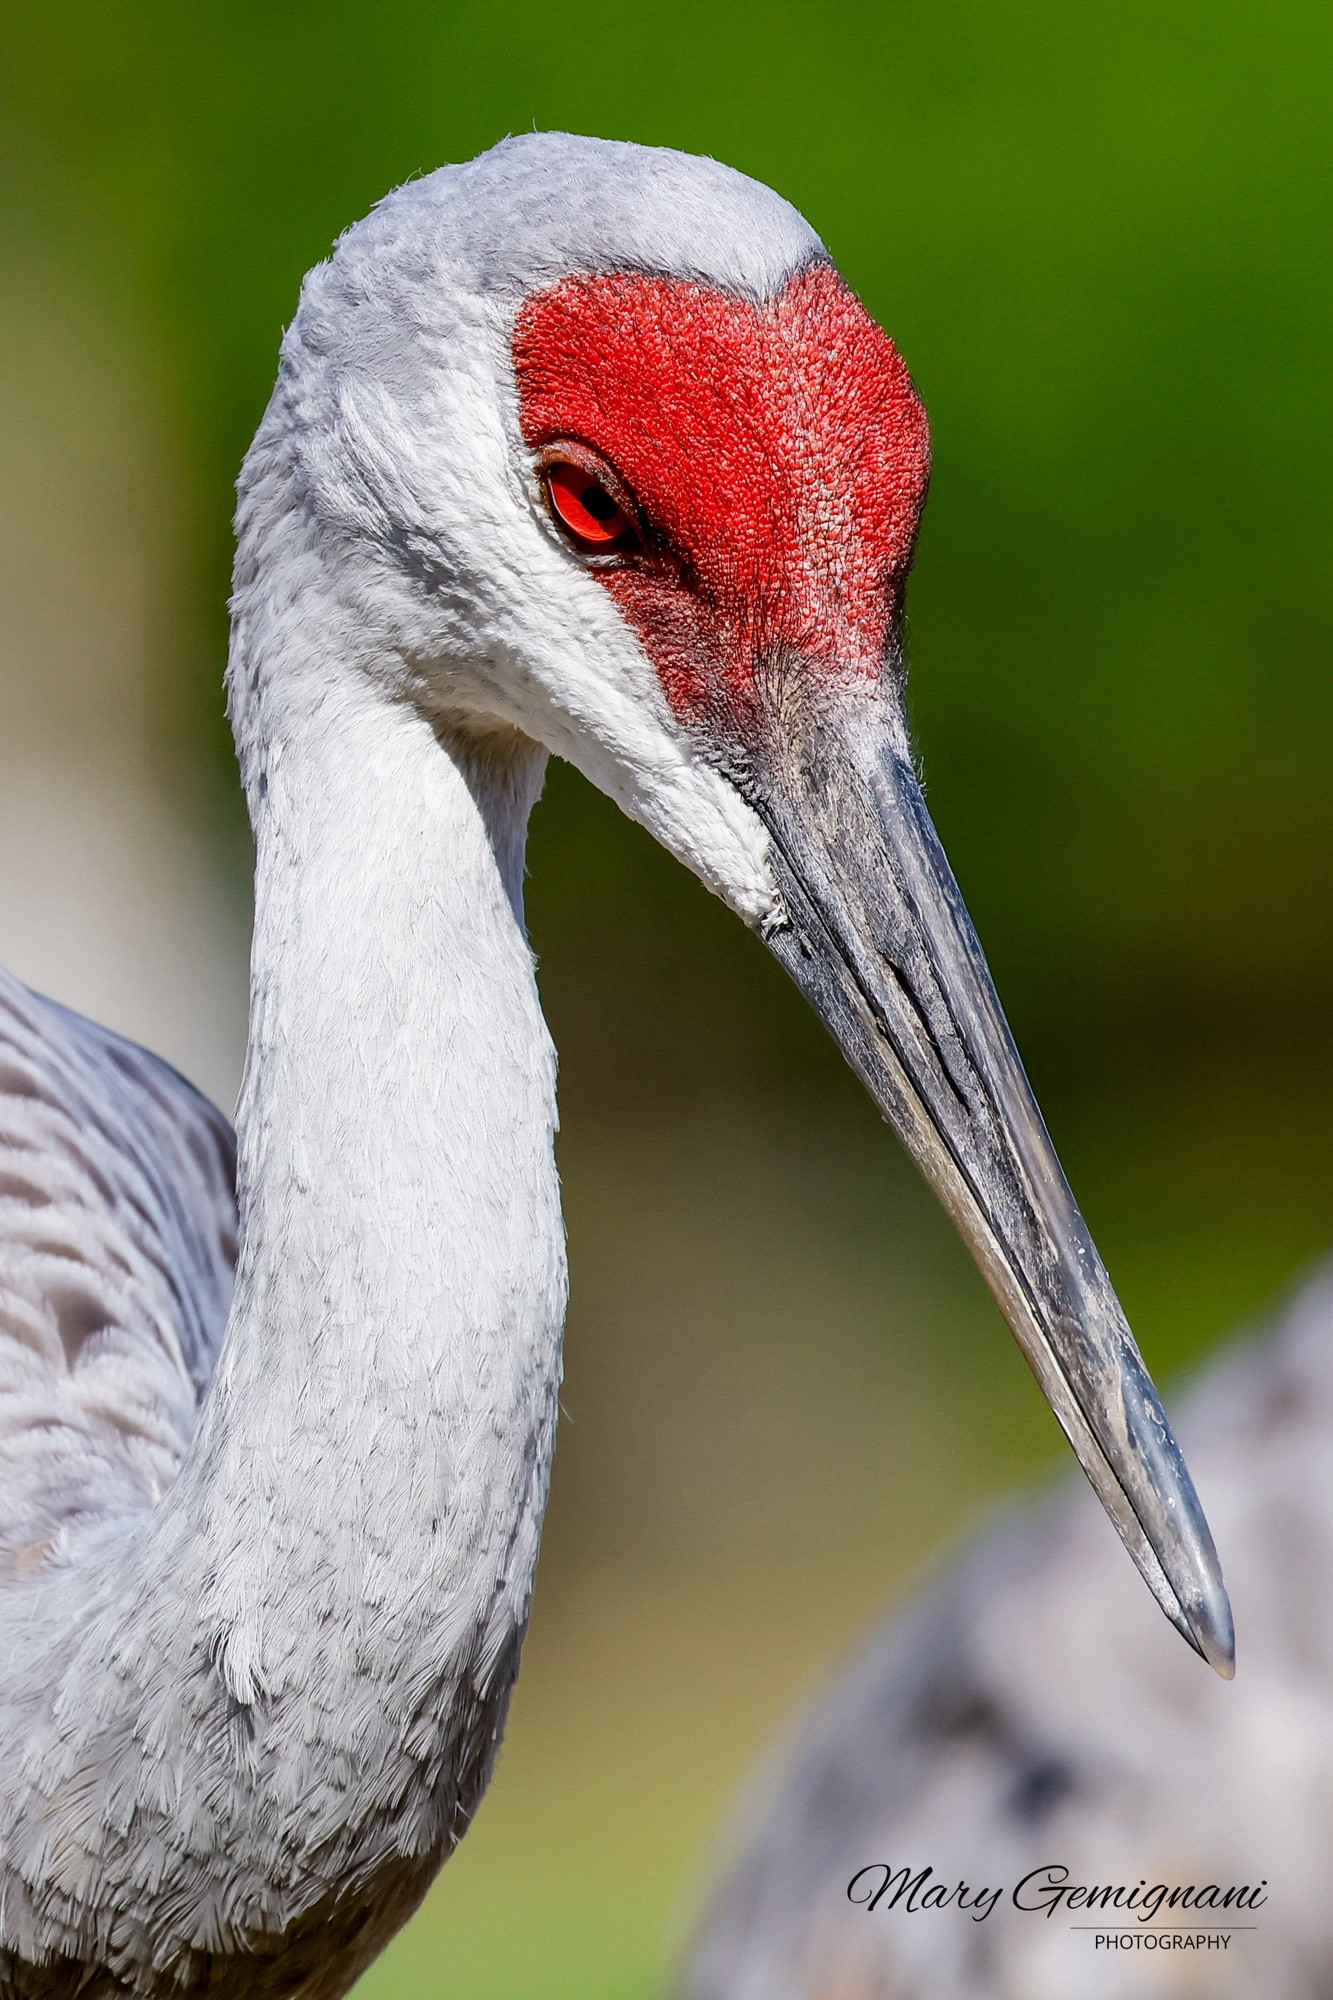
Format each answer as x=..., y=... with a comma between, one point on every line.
x=117, y=1255
x=1024, y=1710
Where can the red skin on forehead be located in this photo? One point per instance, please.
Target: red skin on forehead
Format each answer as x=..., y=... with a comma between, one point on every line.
x=778, y=453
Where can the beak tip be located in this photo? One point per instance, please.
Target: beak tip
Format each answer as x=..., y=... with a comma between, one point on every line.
x=1222, y=1664
x=1212, y=1632
x=1222, y=1659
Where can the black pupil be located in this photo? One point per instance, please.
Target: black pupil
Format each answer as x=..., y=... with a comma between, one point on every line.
x=599, y=503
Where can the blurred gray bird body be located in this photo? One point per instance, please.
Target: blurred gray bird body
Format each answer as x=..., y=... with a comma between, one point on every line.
x=1023, y=1711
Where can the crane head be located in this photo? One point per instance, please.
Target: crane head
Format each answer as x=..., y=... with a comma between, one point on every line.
x=611, y=455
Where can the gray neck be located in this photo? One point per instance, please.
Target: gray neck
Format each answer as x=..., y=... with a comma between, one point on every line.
x=388, y=1379
x=267, y=1708
x=364, y=1499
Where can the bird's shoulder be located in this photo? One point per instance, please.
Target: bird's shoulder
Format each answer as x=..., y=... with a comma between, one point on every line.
x=117, y=1255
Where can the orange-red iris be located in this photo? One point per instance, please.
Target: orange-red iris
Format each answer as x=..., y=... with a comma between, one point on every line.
x=585, y=508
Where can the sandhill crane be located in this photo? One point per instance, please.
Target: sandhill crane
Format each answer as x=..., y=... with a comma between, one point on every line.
x=579, y=448
x=1021, y=1722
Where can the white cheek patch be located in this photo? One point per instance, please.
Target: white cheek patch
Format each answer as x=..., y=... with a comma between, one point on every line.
x=511, y=624
x=586, y=688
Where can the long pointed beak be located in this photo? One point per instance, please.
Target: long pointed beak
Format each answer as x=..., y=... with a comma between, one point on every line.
x=877, y=937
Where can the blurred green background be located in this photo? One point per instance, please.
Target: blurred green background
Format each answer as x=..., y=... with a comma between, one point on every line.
x=1100, y=237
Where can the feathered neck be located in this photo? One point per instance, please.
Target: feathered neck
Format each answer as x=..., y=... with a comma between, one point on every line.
x=302, y=1657
x=373, y=1461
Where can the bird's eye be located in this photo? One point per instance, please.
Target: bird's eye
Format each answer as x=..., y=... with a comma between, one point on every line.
x=591, y=517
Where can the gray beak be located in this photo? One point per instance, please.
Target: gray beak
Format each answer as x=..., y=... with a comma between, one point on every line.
x=876, y=936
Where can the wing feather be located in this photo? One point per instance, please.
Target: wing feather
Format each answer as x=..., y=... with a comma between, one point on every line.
x=117, y=1254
